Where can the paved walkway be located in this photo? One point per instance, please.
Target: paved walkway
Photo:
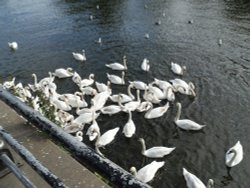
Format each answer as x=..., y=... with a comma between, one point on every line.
x=56, y=159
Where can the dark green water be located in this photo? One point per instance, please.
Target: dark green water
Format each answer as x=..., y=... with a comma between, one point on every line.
x=49, y=30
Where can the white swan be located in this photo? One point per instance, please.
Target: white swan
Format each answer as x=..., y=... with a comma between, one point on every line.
x=148, y=172
x=124, y=98
x=88, y=90
x=156, y=112
x=145, y=65
x=111, y=109
x=116, y=79
x=146, y=35
x=103, y=87
x=118, y=66
x=76, y=78
x=164, y=85
x=139, y=85
x=73, y=127
x=94, y=126
x=62, y=105
x=177, y=69
x=234, y=155
x=183, y=87
x=194, y=182
x=129, y=128
x=151, y=97
x=99, y=100
x=63, y=73
x=186, y=124
x=13, y=45
x=85, y=118
x=87, y=82
x=63, y=116
x=9, y=84
x=158, y=92
x=79, y=135
x=79, y=57
x=154, y=152
x=132, y=105
x=74, y=100
x=106, y=138
x=144, y=106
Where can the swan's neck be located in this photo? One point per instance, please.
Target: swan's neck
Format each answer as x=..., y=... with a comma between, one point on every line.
x=123, y=77
x=143, y=146
x=233, y=158
x=210, y=183
x=178, y=112
x=130, y=115
x=35, y=78
x=129, y=92
x=125, y=62
x=138, y=95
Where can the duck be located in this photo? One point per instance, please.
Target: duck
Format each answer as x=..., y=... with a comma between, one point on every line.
x=147, y=173
x=129, y=128
x=79, y=135
x=177, y=69
x=154, y=152
x=186, y=124
x=116, y=79
x=156, y=112
x=118, y=66
x=234, y=155
x=194, y=182
x=105, y=139
x=145, y=65
x=87, y=82
x=13, y=45
x=63, y=73
x=79, y=57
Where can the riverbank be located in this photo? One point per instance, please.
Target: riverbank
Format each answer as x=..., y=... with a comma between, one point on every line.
x=55, y=158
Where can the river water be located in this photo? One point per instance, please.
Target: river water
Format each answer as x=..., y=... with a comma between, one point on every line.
x=48, y=31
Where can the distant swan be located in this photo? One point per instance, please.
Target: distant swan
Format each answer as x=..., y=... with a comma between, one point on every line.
x=234, y=155
x=177, y=69
x=118, y=66
x=148, y=172
x=145, y=65
x=63, y=73
x=155, y=152
x=194, y=182
x=79, y=57
x=116, y=79
x=186, y=124
x=13, y=45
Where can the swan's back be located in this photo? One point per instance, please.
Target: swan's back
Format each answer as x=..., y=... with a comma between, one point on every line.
x=192, y=181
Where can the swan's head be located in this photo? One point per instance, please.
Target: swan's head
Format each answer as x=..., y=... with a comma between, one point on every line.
x=184, y=67
x=210, y=183
x=133, y=170
x=91, y=75
x=70, y=69
x=1, y=144
x=178, y=104
x=83, y=51
x=79, y=133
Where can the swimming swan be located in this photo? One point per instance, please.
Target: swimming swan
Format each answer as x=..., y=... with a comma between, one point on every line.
x=116, y=79
x=186, y=124
x=234, y=155
x=129, y=128
x=118, y=66
x=156, y=112
x=106, y=138
x=194, y=182
x=145, y=65
x=63, y=73
x=79, y=57
x=148, y=172
x=154, y=152
x=13, y=45
x=177, y=69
